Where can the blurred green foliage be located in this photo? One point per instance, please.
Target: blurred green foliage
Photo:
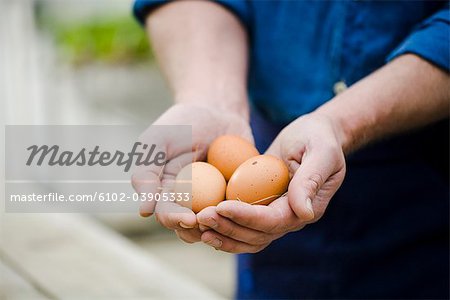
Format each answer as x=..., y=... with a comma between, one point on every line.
x=106, y=39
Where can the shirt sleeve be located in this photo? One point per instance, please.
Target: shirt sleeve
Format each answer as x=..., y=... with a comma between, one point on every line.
x=430, y=40
x=239, y=8
x=141, y=8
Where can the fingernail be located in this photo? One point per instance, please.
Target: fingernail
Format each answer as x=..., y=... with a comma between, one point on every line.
x=309, y=207
x=185, y=226
x=144, y=212
x=215, y=242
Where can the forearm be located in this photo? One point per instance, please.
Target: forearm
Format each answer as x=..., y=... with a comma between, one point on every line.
x=202, y=50
x=403, y=95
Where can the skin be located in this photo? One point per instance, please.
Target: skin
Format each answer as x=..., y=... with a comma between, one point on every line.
x=206, y=67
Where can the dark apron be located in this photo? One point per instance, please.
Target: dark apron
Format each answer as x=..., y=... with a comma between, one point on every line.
x=385, y=233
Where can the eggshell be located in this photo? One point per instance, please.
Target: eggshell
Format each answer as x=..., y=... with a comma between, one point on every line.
x=259, y=180
x=228, y=152
x=205, y=184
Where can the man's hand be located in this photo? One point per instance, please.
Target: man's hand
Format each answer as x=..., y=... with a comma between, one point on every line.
x=311, y=148
x=207, y=124
x=405, y=94
x=206, y=68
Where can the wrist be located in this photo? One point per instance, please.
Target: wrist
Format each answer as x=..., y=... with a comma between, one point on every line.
x=235, y=104
x=344, y=124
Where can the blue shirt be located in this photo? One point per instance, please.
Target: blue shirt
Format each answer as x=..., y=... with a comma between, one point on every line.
x=300, y=49
x=385, y=233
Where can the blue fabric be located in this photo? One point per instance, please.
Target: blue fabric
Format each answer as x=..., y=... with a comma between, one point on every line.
x=300, y=49
x=385, y=233
x=430, y=40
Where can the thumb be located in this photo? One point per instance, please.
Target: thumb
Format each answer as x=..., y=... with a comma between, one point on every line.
x=274, y=148
x=313, y=172
x=146, y=181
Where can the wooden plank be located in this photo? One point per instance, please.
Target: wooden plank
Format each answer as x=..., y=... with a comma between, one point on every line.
x=216, y=269
x=14, y=286
x=73, y=257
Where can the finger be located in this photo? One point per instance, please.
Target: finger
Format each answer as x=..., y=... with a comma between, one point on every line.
x=220, y=242
x=269, y=219
x=203, y=228
x=211, y=219
x=189, y=235
x=174, y=216
x=175, y=164
x=149, y=179
x=146, y=181
x=274, y=148
x=315, y=169
x=153, y=180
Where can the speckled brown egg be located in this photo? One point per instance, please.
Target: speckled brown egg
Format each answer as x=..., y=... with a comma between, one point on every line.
x=228, y=152
x=259, y=180
x=203, y=182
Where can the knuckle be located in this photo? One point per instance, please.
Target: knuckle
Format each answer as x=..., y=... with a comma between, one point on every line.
x=166, y=220
x=273, y=227
x=313, y=183
x=228, y=230
x=329, y=147
x=292, y=149
x=173, y=222
x=259, y=239
x=288, y=149
x=333, y=151
x=278, y=224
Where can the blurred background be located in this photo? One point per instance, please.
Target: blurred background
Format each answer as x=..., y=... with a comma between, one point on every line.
x=89, y=62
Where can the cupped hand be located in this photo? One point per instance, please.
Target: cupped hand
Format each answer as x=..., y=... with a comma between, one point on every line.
x=207, y=123
x=311, y=148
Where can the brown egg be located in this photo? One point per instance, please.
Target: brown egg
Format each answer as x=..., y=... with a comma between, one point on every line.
x=228, y=152
x=203, y=182
x=259, y=180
